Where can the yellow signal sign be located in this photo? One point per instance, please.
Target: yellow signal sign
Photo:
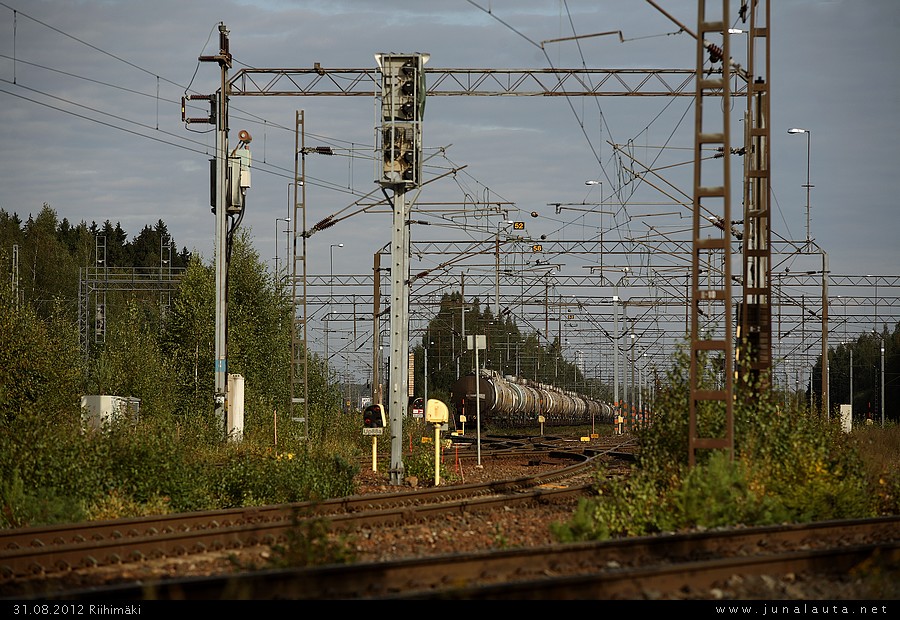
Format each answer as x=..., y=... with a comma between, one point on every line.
x=537, y=248
x=518, y=225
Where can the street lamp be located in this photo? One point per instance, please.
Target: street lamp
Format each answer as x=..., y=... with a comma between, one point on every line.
x=615, y=301
x=278, y=219
x=330, y=295
x=331, y=273
x=579, y=366
x=826, y=380
x=591, y=183
x=796, y=130
x=849, y=344
x=882, y=381
x=497, y=270
x=428, y=343
x=630, y=396
x=327, y=314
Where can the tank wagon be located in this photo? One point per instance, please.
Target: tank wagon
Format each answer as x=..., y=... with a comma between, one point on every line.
x=510, y=402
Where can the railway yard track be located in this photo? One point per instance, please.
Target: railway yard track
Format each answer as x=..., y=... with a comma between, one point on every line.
x=65, y=562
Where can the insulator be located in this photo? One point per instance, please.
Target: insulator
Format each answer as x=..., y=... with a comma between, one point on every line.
x=324, y=223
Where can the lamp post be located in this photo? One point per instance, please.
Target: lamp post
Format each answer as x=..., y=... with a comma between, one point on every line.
x=497, y=270
x=278, y=219
x=849, y=344
x=631, y=397
x=331, y=273
x=591, y=183
x=882, y=381
x=794, y=131
x=428, y=343
x=826, y=393
x=330, y=295
x=579, y=364
x=616, y=342
x=615, y=301
x=826, y=387
x=642, y=382
x=327, y=314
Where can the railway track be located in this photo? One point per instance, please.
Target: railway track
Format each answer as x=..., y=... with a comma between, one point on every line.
x=38, y=554
x=673, y=566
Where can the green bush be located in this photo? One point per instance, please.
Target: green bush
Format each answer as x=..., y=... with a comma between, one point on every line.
x=787, y=466
x=246, y=475
x=21, y=506
x=881, y=465
x=626, y=507
x=419, y=457
x=719, y=494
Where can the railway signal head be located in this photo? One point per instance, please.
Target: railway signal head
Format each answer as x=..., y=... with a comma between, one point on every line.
x=373, y=416
x=402, y=86
x=402, y=108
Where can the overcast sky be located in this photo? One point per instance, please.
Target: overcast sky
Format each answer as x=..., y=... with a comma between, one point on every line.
x=90, y=96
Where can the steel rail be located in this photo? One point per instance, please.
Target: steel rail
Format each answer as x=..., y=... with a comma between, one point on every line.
x=618, y=568
x=51, y=549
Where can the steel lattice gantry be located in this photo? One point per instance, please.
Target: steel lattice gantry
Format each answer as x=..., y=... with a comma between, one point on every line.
x=865, y=303
x=319, y=81
x=96, y=282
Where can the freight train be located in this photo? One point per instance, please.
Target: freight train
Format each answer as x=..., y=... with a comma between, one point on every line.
x=511, y=402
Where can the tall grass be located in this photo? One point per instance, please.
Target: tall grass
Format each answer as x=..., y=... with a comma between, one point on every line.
x=787, y=466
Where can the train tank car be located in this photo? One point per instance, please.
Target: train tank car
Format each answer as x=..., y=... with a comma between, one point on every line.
x=510, y=402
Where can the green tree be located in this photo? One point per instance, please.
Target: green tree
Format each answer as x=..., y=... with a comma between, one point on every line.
x=131, y=362
x=259, y=345
x=48, y=272
x=189, y=339
x=259, y=332
x=40, y=364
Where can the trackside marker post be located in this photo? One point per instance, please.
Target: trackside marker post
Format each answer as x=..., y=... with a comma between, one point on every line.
x=373, y=424
x=437, y=413
x=478, y=342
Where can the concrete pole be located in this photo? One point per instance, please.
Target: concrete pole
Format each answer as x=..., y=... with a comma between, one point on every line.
x=399, y=374
x=616, y=346
x=221, y=240
x=826, y=391
x=497, y=276
x=882, y=382
x=478, y=404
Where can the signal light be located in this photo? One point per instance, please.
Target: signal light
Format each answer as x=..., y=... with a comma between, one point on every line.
x=436, y=412
x=401, y=162
x=402, y=107
x=373, y=417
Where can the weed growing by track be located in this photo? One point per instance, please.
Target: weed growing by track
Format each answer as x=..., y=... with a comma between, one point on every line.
x=789, y=465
